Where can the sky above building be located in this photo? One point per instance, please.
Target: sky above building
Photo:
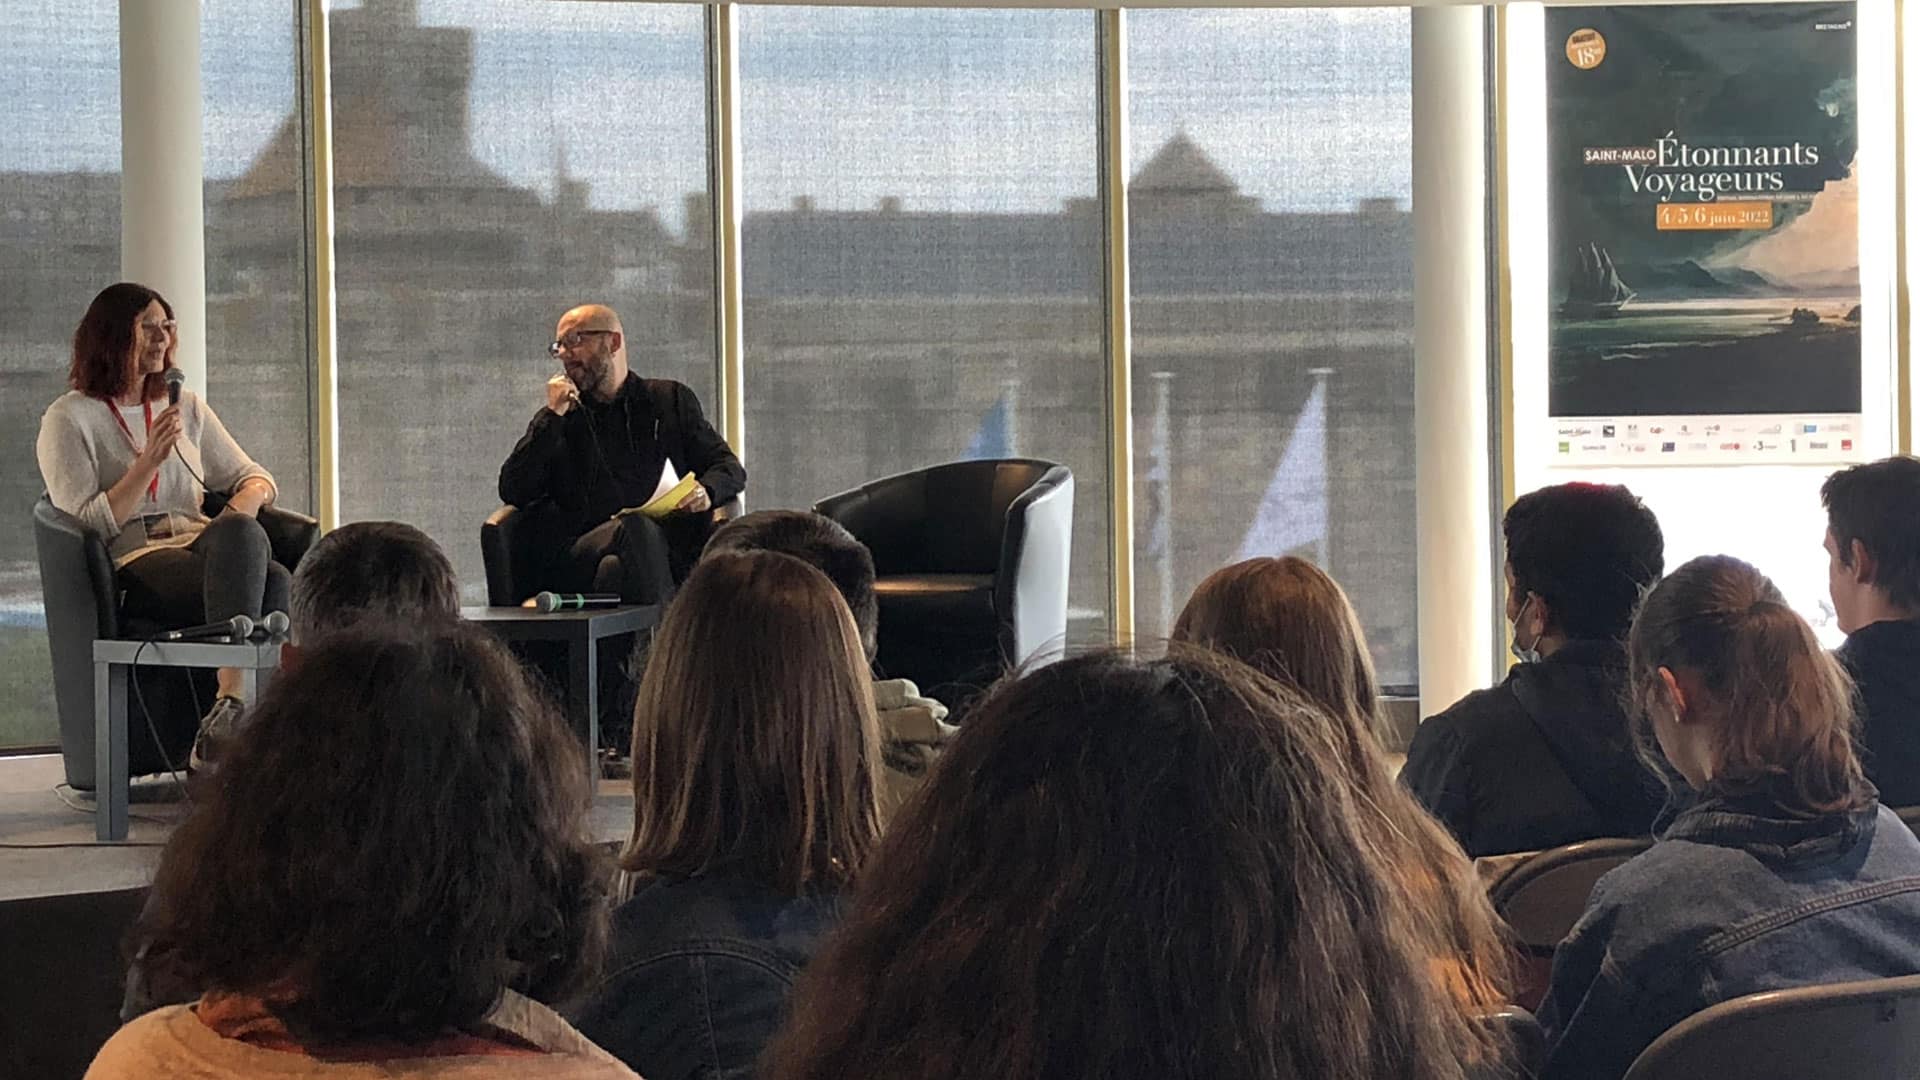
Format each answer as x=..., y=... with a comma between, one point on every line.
x=948, y=110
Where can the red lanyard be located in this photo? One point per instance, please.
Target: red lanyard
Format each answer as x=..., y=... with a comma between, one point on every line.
x=146, y=408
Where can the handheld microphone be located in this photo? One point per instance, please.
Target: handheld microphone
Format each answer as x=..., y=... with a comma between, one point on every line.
x=547, y=602
x=175, y=380
x=236, y=628
x=272, y=626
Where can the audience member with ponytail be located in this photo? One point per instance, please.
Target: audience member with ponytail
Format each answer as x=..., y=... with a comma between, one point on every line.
x=1780, y=867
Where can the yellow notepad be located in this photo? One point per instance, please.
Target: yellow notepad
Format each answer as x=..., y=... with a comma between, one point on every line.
x=666, y=501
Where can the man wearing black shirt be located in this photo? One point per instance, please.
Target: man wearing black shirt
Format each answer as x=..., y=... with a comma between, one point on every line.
x=598, y=447
x=1873, y=575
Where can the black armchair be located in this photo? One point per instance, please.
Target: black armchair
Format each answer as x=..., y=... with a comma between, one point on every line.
x=82, y=594
x=510, y=548
x=972, y=559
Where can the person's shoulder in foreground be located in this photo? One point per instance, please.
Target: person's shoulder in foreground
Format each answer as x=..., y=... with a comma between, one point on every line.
x=175, y=1042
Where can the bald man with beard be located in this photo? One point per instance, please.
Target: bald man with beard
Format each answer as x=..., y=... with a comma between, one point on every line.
x=596, y=447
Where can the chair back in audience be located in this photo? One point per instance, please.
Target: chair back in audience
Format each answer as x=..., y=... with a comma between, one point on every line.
x=1540, y=899
x=971, y=560
x=1866, y=1030
x=1524, y=1035
x=1910, y=815
x=60, y=997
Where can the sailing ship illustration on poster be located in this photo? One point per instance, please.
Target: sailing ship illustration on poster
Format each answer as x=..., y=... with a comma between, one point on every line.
x=1594, y=289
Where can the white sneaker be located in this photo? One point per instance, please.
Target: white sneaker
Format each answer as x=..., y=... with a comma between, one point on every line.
x=217, y=730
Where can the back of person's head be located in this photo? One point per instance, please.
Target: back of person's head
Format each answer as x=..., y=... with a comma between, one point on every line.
x=756, y=751
x=1290, y=621
x=1588, y=551
x=820, y=542
x=382, y=570
x=397, y=836
x=1128, y=868
x=1778, y=708
x=1878, y=504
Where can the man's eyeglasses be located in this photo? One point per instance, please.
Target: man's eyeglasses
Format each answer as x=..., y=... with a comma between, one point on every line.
x=572, y=340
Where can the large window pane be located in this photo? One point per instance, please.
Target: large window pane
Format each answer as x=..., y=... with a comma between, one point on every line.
x=256, y=205
x=1272, y=246
x=494, y=164
x=59, y=244
x=922, y=253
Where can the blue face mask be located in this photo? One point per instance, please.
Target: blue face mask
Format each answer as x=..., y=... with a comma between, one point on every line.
x=1526, y=654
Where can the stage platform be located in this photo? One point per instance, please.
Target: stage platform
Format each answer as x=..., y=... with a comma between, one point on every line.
x=64, y=859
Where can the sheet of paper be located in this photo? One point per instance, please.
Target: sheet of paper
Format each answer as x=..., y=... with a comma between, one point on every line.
x=668, y=478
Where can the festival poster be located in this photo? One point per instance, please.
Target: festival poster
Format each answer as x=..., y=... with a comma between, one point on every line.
x=1704, y=234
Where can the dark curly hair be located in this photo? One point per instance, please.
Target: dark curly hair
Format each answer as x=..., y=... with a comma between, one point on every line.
x=1129, y=868
x=103, y=343
x=1589, y=551
x=397, y=836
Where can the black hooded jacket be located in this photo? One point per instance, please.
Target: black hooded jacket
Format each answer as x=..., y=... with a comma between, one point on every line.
x=1543, y=759
x=1884, y=660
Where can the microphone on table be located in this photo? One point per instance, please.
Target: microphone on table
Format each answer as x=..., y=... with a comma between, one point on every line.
x=175, y=380
x=550, y=601
x=272, y=626
x=236, y=628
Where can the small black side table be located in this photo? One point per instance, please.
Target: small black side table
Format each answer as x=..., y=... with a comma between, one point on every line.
x=582, y=632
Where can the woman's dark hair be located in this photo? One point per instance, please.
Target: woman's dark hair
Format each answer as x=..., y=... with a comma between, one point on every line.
x=397, y=836
x=103, y=343
x=1588, y=550
x=755, y=745
x=1779, y=706
x=1128, y=868
x=1294, y=624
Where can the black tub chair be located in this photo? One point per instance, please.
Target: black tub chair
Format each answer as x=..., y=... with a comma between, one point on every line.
x=972, y=559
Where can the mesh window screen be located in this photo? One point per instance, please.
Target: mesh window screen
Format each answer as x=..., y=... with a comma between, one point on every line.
x=922, y=253
x=496, y=163
x=59, y=244
x=1272, y=244
x=256, y=207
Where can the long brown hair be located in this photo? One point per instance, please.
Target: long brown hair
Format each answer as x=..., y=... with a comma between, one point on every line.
x=1295, y=624
x=755, y=746
x=398, y=835
x=1128, y=868
x=1780, y=707
x=103, y=343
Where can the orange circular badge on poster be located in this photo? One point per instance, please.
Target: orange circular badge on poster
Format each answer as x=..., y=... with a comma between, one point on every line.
x=1586, y=48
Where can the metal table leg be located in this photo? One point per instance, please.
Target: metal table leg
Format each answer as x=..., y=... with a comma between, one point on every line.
x=110, y=750
x=583, y=692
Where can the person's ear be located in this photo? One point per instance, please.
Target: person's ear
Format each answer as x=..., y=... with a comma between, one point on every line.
x=1540, y=615
x=1676, y=695
x=615, y=341
x=1862, y=564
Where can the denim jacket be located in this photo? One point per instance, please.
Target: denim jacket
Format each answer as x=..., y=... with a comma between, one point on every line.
x=1735, y=897
x=698, y=975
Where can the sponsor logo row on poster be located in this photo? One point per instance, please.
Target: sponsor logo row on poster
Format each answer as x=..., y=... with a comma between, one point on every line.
x=1706, y=440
